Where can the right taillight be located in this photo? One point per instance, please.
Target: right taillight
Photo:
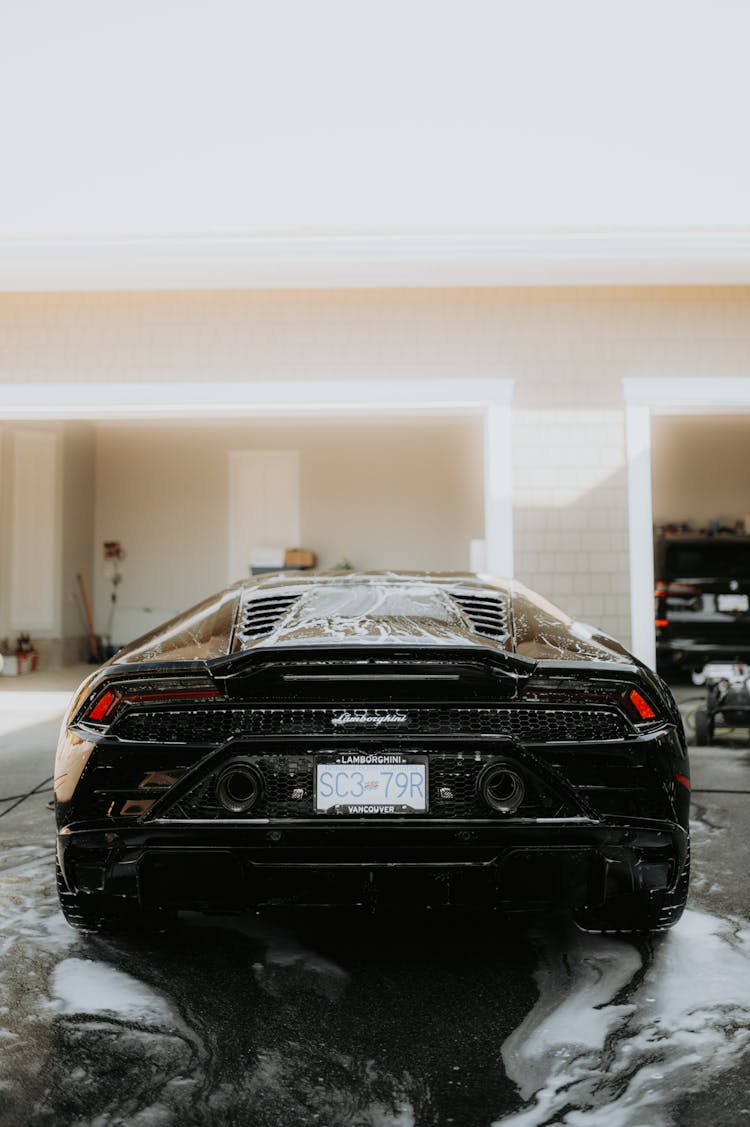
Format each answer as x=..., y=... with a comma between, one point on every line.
x=639, y=707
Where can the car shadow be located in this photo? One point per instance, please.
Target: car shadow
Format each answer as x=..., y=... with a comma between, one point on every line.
x=321, y=1017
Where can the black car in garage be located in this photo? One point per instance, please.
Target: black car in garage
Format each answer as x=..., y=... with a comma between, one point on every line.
x=373, y=739
x=701, y=600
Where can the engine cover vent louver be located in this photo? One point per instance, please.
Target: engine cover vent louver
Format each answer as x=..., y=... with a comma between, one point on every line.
x=260, y=616
x=487, y=613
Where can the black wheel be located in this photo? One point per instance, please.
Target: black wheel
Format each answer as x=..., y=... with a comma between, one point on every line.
x=641, y=911
x=704, y=728
x=96, y=913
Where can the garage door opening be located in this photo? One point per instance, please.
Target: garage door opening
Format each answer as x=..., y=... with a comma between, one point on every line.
x=187, y=501
x=687, y=471
x=406, y=473
x=701, y=506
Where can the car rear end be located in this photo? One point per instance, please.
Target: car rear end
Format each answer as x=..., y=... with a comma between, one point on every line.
x=372, y=776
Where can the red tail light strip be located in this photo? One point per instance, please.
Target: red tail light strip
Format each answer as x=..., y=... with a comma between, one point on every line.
x=186, y=694
x=110, y=700
x=641, y=705
x=630, y=700
x=684, y=781
x=103, y=705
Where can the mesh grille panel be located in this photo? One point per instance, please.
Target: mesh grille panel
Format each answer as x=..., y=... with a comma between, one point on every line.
x=528, y=724
x=611, y=781
x=114, y=775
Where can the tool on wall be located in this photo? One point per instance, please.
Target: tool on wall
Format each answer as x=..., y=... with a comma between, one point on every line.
x=83, y=587
x=114, y=554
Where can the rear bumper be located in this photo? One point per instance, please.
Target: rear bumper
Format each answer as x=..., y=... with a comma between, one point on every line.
x=570, y=863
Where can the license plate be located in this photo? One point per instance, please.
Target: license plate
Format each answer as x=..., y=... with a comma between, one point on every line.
x=371, y=783
x=732, y=602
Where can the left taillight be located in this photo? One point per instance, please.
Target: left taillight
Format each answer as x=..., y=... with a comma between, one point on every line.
x=104, y=704
x=102, y=708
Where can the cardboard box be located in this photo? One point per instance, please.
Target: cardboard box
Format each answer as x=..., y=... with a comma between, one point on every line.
x=300, y=557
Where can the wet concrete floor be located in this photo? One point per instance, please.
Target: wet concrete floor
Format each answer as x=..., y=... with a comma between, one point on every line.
x=334, y=1020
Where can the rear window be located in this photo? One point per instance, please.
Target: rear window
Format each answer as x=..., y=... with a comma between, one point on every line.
x=715, y=559
x=375, y=601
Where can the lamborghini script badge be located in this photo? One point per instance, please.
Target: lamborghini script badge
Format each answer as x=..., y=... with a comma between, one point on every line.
x=371, y=719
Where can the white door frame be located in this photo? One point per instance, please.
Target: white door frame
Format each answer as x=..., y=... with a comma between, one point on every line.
x=230, y=399
x=644, y=397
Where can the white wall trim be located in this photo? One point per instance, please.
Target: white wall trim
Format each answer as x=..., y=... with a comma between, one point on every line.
x=228, y=399
x=498, y=492
x=641, y=535
x=329, y=261
x=644, y=397
x=672, y=396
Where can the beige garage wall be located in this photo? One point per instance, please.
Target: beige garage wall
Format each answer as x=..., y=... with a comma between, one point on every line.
x=384, y=492
x=701, y=469
x=567, y=349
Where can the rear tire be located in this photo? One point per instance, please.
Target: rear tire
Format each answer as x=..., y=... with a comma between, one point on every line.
x=704, y=728
x=640, y=911
x=95, y=914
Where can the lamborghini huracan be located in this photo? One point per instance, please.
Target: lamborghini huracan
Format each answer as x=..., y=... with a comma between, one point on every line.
x=379, y=740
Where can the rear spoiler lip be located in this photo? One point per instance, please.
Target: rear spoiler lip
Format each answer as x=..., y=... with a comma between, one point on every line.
x=494, y=660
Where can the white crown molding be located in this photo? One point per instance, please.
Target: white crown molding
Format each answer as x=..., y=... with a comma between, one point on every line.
x=685, y=396
x=378, y=260
x=230, y=398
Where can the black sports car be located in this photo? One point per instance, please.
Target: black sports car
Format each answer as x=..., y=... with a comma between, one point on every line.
x=376, y=739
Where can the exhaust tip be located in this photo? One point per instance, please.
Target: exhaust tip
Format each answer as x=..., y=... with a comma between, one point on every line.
x=239, y=786
x=502, y=788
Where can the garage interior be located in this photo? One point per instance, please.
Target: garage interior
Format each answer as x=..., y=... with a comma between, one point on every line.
x=376, y=492
x=701, y=491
